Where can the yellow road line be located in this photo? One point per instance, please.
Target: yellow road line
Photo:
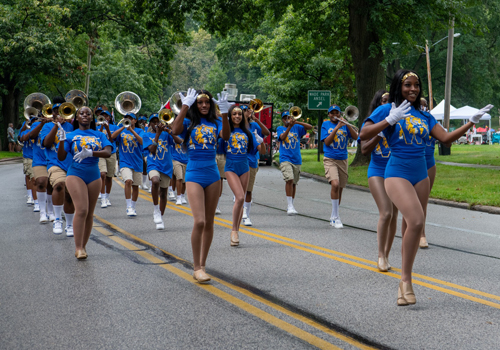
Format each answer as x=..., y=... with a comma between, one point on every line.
x=284, y=241
x=287, y=327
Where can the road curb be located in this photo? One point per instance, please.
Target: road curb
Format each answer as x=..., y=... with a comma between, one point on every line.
x=10, y=159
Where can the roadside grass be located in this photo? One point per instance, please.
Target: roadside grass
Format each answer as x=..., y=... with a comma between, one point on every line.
x=472, y=154
x=469, y=185
x=6, y=154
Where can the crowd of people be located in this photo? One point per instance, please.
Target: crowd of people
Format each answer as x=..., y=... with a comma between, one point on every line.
x=70, y=163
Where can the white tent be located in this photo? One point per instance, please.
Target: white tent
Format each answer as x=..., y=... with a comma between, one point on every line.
x=438, y=111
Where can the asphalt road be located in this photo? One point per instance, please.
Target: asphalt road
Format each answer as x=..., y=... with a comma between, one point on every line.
x=293, y=283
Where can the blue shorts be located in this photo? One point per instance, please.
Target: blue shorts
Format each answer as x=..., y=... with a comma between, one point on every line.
x=411, y=169
x=374, y=171
x=87, y=173
x=239, y=167
x=203, y=173
x=429, y=158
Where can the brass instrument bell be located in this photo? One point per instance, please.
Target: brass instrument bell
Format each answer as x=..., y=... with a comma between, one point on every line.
x=47, y=111
x=256, y=105
x=30, y=112
x=36, y=100
x=78, y=98
x=296, y=112
x=125, y=122
x=67, y=110
x=128, y=102
x=176, y=102
x=100, y=119
x=351, y=113
x=166, y=116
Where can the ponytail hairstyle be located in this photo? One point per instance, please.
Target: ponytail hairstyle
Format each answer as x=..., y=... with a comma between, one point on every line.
x=395, y=94
x=242, y=126
x=195, y=116
x=377, y=100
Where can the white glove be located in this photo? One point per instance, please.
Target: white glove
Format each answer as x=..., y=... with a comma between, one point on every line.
x=381, y=134
x=61, y=133
x=190, y=97
x=258, y=138
x=475, y=118
x=398, y=113
x=223, y=103
x=84, y=153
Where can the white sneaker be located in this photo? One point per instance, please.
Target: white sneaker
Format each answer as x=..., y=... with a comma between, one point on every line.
x=157, y=217
x=217, y=211
x=171, y=196
x=179, y=201
x=335, y=222
x=247, y=222
x=145, y=187
x=291, y=211
x=43, y=218
x=30, y=200
x=131, y=211
x=51, y=216
x=183, y=200
x=160, y=226
x=104, y=204
x=108, y=203
x=149, y=190
x=245, y=216
x=99, y=196
x=69, y=230
x=36, y=207
x=57, y=227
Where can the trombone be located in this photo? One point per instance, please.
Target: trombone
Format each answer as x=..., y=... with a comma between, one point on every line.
x=256, y=105
x=166, y=116
x=351, y=114
x=296, y=112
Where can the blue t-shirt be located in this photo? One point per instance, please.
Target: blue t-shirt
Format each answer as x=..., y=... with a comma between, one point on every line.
x=202, y=143
x=290, y=147
x=338, y=148
x=130, y=150
x=39, y=158
x=431, y=145
x=78, y=139
x=380, y=154
x=162, y=160
x=253, y=159
x=51, y=152
x=179, y=153
x=27, y=145
x=112, y=129
x=237, y=146
x=408, y=137
x=221, y=146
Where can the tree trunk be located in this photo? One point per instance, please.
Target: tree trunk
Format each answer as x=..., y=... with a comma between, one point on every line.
x=10, y=108
x=368, y=71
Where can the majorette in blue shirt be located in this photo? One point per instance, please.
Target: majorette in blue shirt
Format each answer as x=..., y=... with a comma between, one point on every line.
x=202, y=143
x=79, y=139
x=39, y=158
x=253, y=159
x=130, y=150
x=162, y=160
x=237, y=145
x=408, y=137
x=290, y=147
x=51, y=152
x=338, y=148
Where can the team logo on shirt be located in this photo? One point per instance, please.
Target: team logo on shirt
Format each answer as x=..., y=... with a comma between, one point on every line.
x=413, y=129
x=339, y=140
x=291, y=141
x=39, y=143
x=129, y=143
x=237, y=144
x=161, y=149
x=80, y=142
x=383, y=151
x=205, y=136
x=179, y=149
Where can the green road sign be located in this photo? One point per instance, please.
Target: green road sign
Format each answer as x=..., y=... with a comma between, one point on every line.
x=318, y=99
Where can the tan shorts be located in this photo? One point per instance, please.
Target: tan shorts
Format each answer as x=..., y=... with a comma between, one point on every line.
x=56, y=175
x=40, y=171
x=108, y=165
x=179, y=170
x=290, y=172
x=221, y=163
x=164, y=179
x=336, y=170
x=130, y=174
x=251, y=179
x=27, y=169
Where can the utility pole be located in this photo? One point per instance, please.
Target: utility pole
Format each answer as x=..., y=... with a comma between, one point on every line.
x=429, y=81
x=449, y=65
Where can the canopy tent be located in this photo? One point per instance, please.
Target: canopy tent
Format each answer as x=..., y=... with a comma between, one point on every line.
x=438, y=111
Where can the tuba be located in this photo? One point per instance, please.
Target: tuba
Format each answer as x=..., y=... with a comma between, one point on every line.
x=256, y=105
x=127, y=102
x=67, y=111
x=77, y=98
x=176, y=102
x=296, y=112
x=166, y=116
x=30, y=112
x=34, y=103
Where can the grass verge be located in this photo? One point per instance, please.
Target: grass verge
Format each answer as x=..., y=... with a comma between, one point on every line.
x=5, y=154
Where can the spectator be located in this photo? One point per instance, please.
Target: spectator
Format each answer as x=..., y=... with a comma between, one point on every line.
x=11, y=137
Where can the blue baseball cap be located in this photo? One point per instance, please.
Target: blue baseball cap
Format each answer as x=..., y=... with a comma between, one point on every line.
x=105, y=112
x=131, y=115
x=99, y=109
x=56, y=105
x=143, y=118
x=285, y=114
x=334, y=108
x=32, y=119
x=154, y=115
x=243, y=107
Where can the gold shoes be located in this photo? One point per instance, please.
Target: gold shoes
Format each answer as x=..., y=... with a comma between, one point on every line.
x=200, y=276
x=406, y=296
x=383, y=264
x=423, y=243
x=235, y=240
x=81, y=254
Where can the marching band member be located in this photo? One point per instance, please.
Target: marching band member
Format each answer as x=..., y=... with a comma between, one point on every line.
x=289, y=137
x=107, y=166
x=241, y=142
x=57, y=171
x=83, y=181
x=179, y=161
x=335, y=135
x=406, y=179
x=200, y=134
x=388, y=213
x=142, y=124
x=159, y=143
x=27, y=162
x=130, y=140
x=258, y=128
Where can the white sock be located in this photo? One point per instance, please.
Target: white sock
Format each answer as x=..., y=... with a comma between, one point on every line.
x=42, y=198
x=150, y=183
x=157, y=208
x=106, y=195
x=144, y=179
x=290, y=201
x=183, y=196
x=58, y=211
x=179, y=196
x=69, y=219
x=335, y=208
x=133, y=204
x=129, y=202
x=30, y=193
x=50, y=206
x=248, y=206
x=170, y=188
x=36, y=201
